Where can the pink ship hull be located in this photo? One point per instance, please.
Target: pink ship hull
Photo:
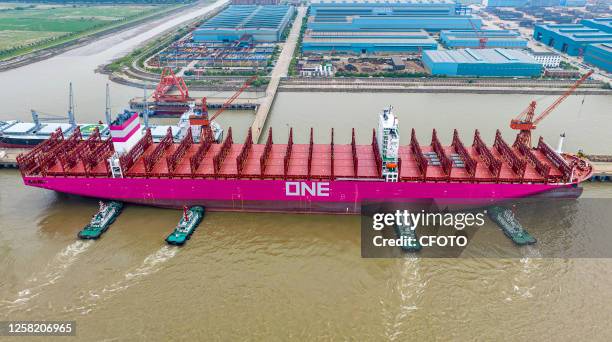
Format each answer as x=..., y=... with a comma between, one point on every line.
x=338, y=196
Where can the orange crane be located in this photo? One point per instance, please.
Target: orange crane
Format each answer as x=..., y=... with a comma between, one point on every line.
x=525, y=122
x=203, y=119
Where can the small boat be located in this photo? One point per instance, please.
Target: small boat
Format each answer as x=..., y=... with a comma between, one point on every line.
x=511, y=227
x=187, y=225
x=405, y=231
x=101, y=221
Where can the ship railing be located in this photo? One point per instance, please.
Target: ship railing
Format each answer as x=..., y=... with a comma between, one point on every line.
x=242, y=157
x=127, y=160
x=376, y=151
x=354, y=153
x=69, y=161
x=175, y=157
x=162, y=146
x=310, y=149
x=541, y=168
x=439, y=150
x=470, y=163
x=196, y=159
x=493, y=165
x=97, y=155
x=263, y=160
x=517, y=165
x=421, y=161
x=33, y=161
x=557, y=161
x=332, y=155
x=288, y=152
x=220, y=157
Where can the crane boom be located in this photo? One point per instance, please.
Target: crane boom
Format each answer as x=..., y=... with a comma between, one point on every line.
x=229, y=101
x=525, y=121
x=569, y=91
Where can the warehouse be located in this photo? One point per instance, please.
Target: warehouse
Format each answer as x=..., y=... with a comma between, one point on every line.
x=570, y=38
x=482, y=62
x=599, y=55
x=507, y=3
x=373, y=15
x=471, y=38
x=408, y=41
x=259, y=23
x=602, y=24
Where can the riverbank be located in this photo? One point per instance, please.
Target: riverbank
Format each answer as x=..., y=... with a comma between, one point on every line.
x=442, y=85
x=62, y=45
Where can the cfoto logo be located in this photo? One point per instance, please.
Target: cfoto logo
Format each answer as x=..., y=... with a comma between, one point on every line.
x=319, y=189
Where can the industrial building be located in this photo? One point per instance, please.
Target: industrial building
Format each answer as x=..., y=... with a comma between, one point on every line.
x=481, y=62
x=547, y=59
x=599, y=55
x=572, y=39
x=471, y=39
x=389, y=15
x=407, y=41
x=602, y=24
x=536, y=3
x=257, y=23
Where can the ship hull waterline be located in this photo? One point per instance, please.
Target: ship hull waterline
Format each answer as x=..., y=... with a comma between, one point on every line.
x=337, y=196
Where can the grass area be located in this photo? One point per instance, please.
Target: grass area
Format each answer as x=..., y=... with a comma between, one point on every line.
x=30, y=27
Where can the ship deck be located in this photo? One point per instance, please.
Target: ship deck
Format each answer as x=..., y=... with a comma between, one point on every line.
x=500, y=163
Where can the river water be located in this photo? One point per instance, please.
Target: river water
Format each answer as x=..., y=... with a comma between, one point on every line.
x=284, y=276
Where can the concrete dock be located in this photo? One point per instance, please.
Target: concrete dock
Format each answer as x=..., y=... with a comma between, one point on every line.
x=280, y=70
x=8, y=157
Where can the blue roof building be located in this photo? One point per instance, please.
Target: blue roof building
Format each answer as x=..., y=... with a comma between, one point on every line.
x=599, y=55
x=262, y=23
x=572, y=39
x=602, y=24
x=507, y=3
x=470, y=38
x=482, y=62
x=388, y=15
x=344, y=42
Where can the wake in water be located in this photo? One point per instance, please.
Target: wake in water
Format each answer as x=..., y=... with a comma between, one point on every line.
x=150, y=265
x=522, y=281
x=54, y=271
x=409, y=288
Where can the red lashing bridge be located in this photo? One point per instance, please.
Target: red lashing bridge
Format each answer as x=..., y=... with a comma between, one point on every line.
x=502, y=163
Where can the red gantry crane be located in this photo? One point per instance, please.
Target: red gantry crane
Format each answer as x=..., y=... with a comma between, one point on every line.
x=167, y=82
x=526, y=122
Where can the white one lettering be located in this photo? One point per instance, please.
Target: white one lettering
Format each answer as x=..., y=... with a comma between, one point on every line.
x=318, y=189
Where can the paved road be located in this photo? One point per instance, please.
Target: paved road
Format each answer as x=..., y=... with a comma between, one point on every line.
x=280, y=70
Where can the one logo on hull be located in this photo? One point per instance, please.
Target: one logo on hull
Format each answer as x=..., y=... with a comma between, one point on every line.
x=317, y=189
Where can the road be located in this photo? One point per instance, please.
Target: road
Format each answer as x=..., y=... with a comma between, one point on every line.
x=280, y=70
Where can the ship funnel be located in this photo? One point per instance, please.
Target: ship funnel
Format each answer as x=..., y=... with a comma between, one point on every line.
x=561, y=140
x=125, y=131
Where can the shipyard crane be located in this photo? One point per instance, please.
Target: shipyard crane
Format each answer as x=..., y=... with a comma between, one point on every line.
x=525, y=122
x=204, y=120
x=167, y=82
x=482, y=41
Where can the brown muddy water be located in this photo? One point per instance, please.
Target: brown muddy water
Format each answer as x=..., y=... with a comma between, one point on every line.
x=285, y=276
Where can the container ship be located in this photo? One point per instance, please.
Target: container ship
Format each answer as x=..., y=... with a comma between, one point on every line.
x=333, y=178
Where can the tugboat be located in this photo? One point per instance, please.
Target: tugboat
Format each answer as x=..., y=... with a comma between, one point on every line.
x=406, y=231
x=100, y=222
x=511, y=227
x=187, y=225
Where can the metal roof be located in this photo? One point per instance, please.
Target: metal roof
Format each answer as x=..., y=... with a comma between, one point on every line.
x=479, y=56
